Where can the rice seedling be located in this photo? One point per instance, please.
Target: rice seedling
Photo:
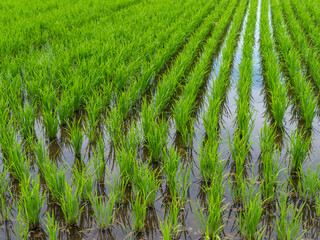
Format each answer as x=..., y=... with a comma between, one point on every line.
x=27, y=120
x=5, y=210
x=250, y=218
x=146, y=181
x=21, y=229
x=76, y=137
x=98, y=166
x=139, y=207
x=52, y=227
x=113, y=125
x=51, y=123
x=70, y=205
x=126, y=161
x=171, y=162
x=31, y=202
x=289, y=223
x=157, y=139
x=94, y=107
x=104, y=210
x=299, y=149
x=309, y=184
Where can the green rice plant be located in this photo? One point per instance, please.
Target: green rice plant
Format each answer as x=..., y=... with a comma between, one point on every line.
x=126, y=161
x=84, y=181
x=299, y=149
x=113, y=125
x=104, y=210
x=4, y=181
x=76, y=137
x=237, y=187
x=250, y=218
x=139, y=208
x=146, y=181
x=210, y=165
x=171, y=162
x=309, y=184
x=270, y=156
x=132, y=139
x=5, y=210
x=70, y=205
x=118, y=188
x=184, y=183
x=157, y=139
x=289, y=222
x=98, y=166
x=52, y=227
x=51, y=123
x=172, y=226
x=56, y=180
x=18, y=163
x=21, y=229
x=317, y=205
x=93, y=108
x=65, y=107
x=27, y=120
x=31, y=202
x=210, y=220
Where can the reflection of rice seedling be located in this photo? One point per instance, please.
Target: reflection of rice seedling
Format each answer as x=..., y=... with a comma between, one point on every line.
x=299, y=149
x=76, y=137
x=104, y=211
x=52, y=227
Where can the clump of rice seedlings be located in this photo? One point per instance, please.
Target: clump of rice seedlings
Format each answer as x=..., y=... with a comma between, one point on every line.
x=317, y=205
x=184, y=124
x=132, y=139
x=171, y=226
x=210, y=164
x=270, y=156
x=52, y=227
x=139, y=208
x=104, y=210
x=113, y=124
x=210, y=220
x=70, y=205
x=93, y=107
x=156, y=138
x=31, y=202
x=126, y=160
x=237, y=187
x=98, y=166
x=17, y=162
x=299, y=149
x=4, y=186
x=21, y=229
x=84, y=181
x=309, y=184
x=171, y=163
x=55, y=180
x=289, y=223
x=250, y=218
x=76, y=137
x=146, y=181
x=65, y=107
x=182, y=189
x=51, y=123
x=27, y=120
x=119, y=187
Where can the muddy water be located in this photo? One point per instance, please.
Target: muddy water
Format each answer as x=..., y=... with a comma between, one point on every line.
x=62, y=154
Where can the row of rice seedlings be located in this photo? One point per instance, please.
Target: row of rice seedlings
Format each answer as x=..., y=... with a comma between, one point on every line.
x=212, y=115
x=309, y=53
x=313, y=9
x=155, y=134
x=272, y=68
x=301, y=87
x=127, y=99
x=245, y=70
x=184, y=106
x=271, y=169
x=307, y=21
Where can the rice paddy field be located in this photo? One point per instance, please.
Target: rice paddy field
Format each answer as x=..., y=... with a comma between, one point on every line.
x=171, y=119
